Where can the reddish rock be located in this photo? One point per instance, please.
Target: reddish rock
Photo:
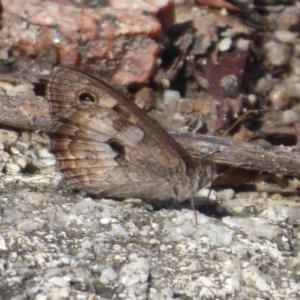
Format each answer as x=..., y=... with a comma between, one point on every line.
x=118, y=37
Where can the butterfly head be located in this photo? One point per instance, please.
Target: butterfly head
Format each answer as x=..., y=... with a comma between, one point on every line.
x=193, y=181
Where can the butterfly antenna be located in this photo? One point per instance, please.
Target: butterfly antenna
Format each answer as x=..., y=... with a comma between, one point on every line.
x=207, y=200
x=194, y=209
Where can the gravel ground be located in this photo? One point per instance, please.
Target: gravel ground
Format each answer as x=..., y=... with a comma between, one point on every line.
x=59, y=245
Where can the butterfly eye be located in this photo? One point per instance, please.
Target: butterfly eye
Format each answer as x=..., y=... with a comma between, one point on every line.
x=86, y=97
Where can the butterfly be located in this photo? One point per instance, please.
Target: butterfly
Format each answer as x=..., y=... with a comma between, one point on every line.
x=109, y=147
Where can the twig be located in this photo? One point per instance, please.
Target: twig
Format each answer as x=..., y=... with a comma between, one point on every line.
x=24, y=114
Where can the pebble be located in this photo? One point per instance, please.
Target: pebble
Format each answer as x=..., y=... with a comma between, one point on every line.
x=243, y=44
x=290, y=117
x=2, y=244
x=170, y=96
x=287, y=19
x=20, y=160
x=265, y=84
x=295, y=66
x=108, y=275
x=286, y=36
x=277, y=54
x=225, y=44
x=4, y=157
x=12, y=168
x=8, y=137
x=22, y=90
x=279, y=97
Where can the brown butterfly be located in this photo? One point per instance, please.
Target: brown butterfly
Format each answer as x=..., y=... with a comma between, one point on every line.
x=109, y=147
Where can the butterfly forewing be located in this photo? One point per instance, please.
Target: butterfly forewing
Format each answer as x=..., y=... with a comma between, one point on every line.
x=108, y=146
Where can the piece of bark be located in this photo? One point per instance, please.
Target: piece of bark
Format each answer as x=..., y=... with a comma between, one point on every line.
x=27, y=115
x=224, y=151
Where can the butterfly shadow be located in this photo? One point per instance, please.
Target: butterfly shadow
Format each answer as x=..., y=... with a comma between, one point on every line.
x=201, y=204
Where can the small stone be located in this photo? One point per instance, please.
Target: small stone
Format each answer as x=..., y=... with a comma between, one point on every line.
x=226, y=194
x=295, y=65
x=288, y=18
x=185, y=106
x=62, y=293
x=170, y=96
x=3, y=54
x=105, y=221
x=277, y=54
x=278, y=97
x=6, y=86
x=22, y=90
x=168, y=292
x=49, y=162
x=108, y=275
x=262, y=284
x=285, y=36
x=225, y=44
x=135, y=273
x=12, y=169
x=145, y=99
x=29, y=225
x=44, y=153
x=243, y=44
x=293, y=90
x=264, y=85
x=165, y=83
x=14, y=150
x=289, y=117
x=2, y=244
x=4, y=157
x=252, y=99
x=21, y=147
x=8, y=137
x=208, y=194
x=20, y=160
